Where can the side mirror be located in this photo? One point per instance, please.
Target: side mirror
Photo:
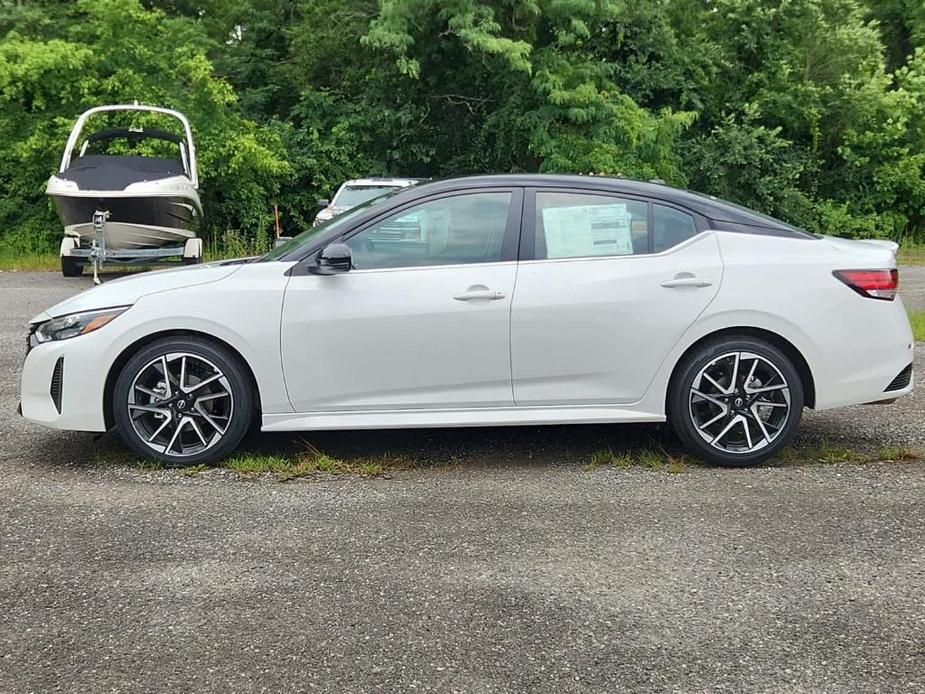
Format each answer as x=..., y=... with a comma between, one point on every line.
x=334, y=259
x=323, y=204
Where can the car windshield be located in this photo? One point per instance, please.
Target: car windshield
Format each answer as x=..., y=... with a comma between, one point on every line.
x=309, y=235
x=350, y=196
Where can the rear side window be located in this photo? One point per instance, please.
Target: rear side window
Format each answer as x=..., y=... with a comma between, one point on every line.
x=580, y=225
x=670, y=227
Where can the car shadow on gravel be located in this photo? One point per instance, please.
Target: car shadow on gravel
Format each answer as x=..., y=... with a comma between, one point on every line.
x=652, y=446
x=573, y=445
x=481, y=446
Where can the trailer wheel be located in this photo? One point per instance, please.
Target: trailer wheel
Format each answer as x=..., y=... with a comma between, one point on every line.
x=71, y=267
x=192, y=251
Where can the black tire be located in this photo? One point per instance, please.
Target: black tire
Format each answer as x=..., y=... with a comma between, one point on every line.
x=71, y=267
x=683, y=406
x=243, y=399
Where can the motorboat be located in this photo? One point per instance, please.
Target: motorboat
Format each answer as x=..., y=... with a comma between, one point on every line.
x=127, y=207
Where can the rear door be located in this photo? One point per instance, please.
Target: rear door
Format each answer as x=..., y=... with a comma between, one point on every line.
x=606, y=287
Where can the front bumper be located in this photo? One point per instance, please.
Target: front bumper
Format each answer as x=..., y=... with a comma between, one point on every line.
x=63, y=384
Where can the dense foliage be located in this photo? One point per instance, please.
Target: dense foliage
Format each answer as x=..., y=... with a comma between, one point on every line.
x=810, y=110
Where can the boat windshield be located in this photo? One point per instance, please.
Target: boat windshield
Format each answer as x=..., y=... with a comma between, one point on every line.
x=329, y=227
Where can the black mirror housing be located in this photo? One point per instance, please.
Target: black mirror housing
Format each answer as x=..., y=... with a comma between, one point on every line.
x=335, y=258
x=323, y=204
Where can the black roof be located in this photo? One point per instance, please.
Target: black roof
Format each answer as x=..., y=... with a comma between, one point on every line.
x=708, y=206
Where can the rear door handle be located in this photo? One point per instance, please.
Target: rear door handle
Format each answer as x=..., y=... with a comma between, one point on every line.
x=678, y=282
x=480, y=294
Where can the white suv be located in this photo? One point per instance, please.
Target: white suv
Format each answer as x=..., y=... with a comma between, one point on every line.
x=358, y=191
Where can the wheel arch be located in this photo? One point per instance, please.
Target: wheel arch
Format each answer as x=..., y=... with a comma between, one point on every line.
x=116, y=368
x=783, y=344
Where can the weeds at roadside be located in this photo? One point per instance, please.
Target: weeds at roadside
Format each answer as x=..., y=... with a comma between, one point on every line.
x=911, y=254
x=788, y=456
x=193, y=470
x=29, y=262
x=312, y=461
x=117, y=455
x=823, y=453
x=250, y=464
x=917, y=321
x=656, y=460
x=898, y=454
x=829, y=453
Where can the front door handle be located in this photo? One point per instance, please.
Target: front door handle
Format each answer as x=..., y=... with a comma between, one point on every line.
x=688, y=281
x=479, y=294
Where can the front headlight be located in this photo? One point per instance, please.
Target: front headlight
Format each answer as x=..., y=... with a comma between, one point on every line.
x=74, y=324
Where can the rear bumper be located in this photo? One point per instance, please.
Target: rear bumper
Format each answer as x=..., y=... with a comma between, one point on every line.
x=895, y=391
x=866, y=354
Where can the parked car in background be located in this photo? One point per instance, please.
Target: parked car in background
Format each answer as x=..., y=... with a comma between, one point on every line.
x=358, y=191
x=488, y=300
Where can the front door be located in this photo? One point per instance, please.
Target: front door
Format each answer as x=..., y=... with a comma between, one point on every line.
x=421, y=321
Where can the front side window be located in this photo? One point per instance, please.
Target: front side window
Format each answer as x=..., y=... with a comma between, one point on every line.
x=583, y=225
x=455, y=230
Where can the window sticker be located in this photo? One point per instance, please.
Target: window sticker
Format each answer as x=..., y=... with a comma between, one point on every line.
x=587, y=230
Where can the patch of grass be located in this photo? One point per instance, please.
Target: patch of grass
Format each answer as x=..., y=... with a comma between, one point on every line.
x=917, y=321
x=114, y=454
x=788, y=455
x=651, y=459
x=29, y=262
x=312, y=461
x=148, y=465
x=911, y=254
x=830, y=453
x=249, y=464
x=309, y=462
x=609, y=458
x=898, y=454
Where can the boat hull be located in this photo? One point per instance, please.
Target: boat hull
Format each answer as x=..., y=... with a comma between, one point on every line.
x=134, y=222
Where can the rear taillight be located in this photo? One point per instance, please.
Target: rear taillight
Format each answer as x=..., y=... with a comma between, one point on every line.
x=874, y=284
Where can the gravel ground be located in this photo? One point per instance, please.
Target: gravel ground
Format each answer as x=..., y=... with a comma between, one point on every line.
x=502, y=564
x=912, y=282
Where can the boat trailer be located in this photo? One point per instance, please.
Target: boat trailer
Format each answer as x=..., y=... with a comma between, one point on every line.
x=98, y=253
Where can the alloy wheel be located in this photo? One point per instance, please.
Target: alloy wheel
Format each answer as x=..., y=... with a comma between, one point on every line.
x=739, y=402
x=180, y=404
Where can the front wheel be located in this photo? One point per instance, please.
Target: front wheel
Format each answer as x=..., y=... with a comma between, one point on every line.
x=183, y=401
x=736, y=401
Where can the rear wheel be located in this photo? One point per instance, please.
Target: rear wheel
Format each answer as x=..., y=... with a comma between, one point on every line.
x=736, y=401
x=183, y=401
x=71, y=267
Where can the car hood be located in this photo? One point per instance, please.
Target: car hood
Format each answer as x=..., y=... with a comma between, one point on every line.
x=125, y=291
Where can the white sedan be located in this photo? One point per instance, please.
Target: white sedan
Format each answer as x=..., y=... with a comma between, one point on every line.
x=493, y=300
